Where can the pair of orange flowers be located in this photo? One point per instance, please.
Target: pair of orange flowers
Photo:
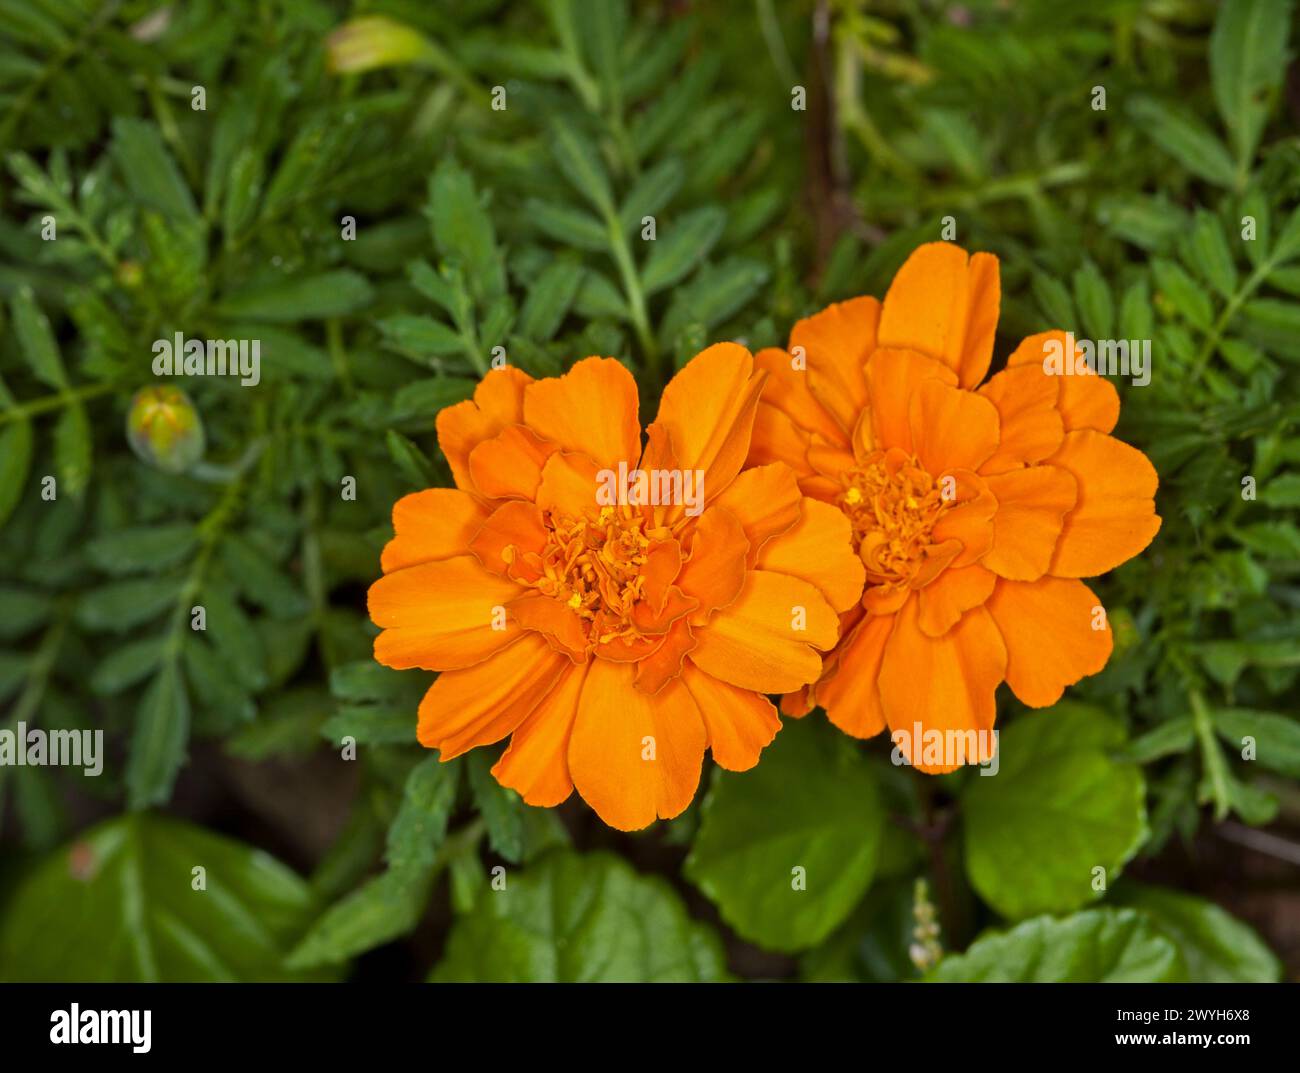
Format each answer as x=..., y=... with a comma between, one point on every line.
x=880, y=536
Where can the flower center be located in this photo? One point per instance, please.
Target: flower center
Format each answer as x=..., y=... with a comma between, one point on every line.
x=893, y=504
x=596, y=567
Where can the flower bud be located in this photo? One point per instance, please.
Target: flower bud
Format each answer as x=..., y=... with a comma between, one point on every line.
x=165, y=429
x=373, y=41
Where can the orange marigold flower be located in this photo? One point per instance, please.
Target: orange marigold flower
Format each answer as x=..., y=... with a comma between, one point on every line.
x=614, y=640
x=975, y=509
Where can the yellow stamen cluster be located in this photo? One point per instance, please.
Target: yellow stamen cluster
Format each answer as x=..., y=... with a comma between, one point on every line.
x=893, y=505
x=595, y=567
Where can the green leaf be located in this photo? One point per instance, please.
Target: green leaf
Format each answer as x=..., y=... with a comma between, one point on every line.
x=549, y=298
x=1092, y=296
x=588, y=919
x=24, y=610
x=149, y=170
x=1054, y=300
x=329, y=294
x=421, y=822
x=1183, y=293
x=1186, y=139
x=140, y=548
x=15, y=462
x=381, y=909
x=72, y=449
x=1216, y=946
x=684, y=243
x=420, y=336
x=119, y=905
x=501, y=808
x=1210, y=255
x=125, y=666
x=1248, y=52
x=1057, y=808
x=371, y=724
x=713, y=294
x=581, y=165
x=162, y=730
x=1276, y=737
x=413, y=462
x=786, y=857
x=36, y=339
x=120, y=605
x=568, y=225
x=655, y=188
x=463, y=230
x=1097, y=946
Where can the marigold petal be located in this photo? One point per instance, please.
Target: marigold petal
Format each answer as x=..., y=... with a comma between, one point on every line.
x=945, y=304
x=941, y=683
x=437, y=523
x=969, y=521
x=766, y=501
x=755, y=643
x=715, y=569
x=482, y=704
x=951, y=595
x=592, y=409
x=951, y=428
x=778, y=440
x=1114, y=517
x=1048, y=627
x=851, y=695
x=835, y=346
x=634, y=757
x=497, y=402
x=739, y=722
x=510, y=463
x=536, y=762
x=440, y=615
x=708, y=410
x=1030, y=424
x=893, y=375
x=511, y=530
x=786, y=390
x=570, y=483
x=551, y=618
x=1086, y=399
x=1032, y=505
x=819, y=549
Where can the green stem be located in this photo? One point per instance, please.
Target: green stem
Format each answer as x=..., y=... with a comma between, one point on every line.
x=635, y=297
x=46, y=403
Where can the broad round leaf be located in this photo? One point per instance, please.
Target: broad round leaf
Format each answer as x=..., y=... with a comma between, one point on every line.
x=1057, y=809
x=786, y=850
x=118, y=905
x=571, y=918
x=1106, y=946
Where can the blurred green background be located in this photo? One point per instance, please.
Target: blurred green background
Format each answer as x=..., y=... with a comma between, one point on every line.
x=383, y=192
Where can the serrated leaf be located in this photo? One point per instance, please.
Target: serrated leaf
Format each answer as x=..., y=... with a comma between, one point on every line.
x=15, y=462
x=149, y=170
x=501, y=808
x=570, y=918
x=142, y=548
x=36, y=339
x=420, y=826
x=1095, y=946
x=329, y=294
x=1248, y=52
x=162, y=730
x=582, y=166
x=549, y=298
x=681, y=246
x=1216, y=947
x=1185, y=138
x=464, y=231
